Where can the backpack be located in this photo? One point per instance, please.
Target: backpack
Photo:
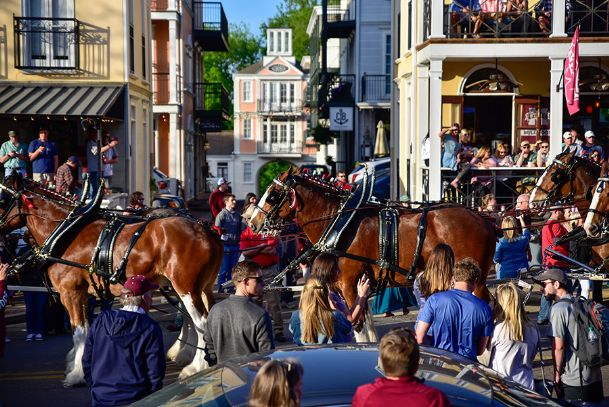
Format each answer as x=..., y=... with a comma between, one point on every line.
x=592, y=320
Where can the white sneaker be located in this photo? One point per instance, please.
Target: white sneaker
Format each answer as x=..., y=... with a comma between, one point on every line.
x=29, y=338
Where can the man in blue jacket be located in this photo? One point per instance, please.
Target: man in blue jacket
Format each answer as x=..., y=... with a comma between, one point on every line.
x=124, y=358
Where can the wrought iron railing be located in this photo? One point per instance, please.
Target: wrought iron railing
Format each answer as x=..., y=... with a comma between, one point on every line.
x=209, y=16
x=341, y=88
x=591, y=16
x=47, y=43
x=279, y=148
x=211, y=96
x=267, y=106
x=376, y=88
x=337, y=13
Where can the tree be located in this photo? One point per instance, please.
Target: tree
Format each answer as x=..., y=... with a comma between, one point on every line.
x=269, y=172
x=244, y=49
x=294, y=14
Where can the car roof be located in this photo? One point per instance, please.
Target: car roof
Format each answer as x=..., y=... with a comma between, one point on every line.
x=333, y=372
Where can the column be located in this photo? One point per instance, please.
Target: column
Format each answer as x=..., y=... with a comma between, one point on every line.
x=558, y=19
x=556, y=105
x=173, y=61
x=435, y=124
x=437, y=19
x=174, y=146
x=422, y=123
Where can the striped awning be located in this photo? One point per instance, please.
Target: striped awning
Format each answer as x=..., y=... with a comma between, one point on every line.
x=59, y=100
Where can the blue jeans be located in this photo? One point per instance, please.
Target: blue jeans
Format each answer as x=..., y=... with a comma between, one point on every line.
x=231, y=257
x=544, y=309
x=35, y=309
x=9, y=171
x=94, y=183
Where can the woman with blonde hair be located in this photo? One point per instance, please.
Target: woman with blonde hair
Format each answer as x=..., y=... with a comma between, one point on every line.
x=278, y=383
x=515, y=339
x=511, y=249
x=438, y=274
x=316, y=322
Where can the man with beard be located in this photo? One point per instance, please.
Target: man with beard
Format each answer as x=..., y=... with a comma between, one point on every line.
x=573, y=381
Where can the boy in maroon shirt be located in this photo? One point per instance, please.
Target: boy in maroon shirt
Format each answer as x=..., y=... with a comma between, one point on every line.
x=399, y=358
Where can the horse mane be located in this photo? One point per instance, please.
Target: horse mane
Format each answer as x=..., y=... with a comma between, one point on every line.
x=320, y=183
x=50, y=194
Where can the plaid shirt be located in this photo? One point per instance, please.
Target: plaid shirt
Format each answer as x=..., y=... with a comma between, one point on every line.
x=64, y=179
x=545, y=5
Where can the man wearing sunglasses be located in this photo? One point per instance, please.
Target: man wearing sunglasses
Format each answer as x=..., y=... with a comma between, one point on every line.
x=590, y=147
x=237, y=326
x=569, y=143
x=526, y=157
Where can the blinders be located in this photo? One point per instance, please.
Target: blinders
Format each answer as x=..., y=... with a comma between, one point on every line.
x=277, y=199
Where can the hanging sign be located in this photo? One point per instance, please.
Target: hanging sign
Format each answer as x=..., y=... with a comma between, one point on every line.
x=341, y=118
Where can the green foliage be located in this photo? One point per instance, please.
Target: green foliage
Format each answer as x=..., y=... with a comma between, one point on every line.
x=268, y=173
x=244, y=49
x=322, y=135
x=294, y=14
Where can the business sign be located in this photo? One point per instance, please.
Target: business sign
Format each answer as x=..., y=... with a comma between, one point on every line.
x=341, y=118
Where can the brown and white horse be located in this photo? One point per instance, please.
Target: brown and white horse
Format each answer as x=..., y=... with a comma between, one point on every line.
x=314, y=204
x=185, y=252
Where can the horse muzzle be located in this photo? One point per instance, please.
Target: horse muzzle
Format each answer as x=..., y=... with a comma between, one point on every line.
x=592, y=230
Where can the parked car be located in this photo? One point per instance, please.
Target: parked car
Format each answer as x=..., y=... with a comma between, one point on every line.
x=164, y=184
x=168, y=201
x=317, y=170
x=382, y=184
x=358, y=171
x=333, y=372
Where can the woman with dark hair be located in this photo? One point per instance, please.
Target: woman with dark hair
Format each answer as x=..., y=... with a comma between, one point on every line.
x=278, y=383
x=250, y=199
x=437, y=275
x=325, y=269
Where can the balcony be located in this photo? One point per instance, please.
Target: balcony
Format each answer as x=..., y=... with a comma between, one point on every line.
x=340, y=89
x=211, y=105
x=283, y=149
x=507, y=20
x=341, y=23
x=266, y=107
x=210, y=26
x=376, y=88
x=160, y=86
x=47, y=43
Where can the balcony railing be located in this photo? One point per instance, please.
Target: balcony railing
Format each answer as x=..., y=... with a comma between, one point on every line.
x=210, y=26
x=160, y=86
x=510, y=19
x=376, y=88
x=341, y=88
x=211, y=105
x=279, y=148
x=266, y=106
x=47, y=43
x=341, y=22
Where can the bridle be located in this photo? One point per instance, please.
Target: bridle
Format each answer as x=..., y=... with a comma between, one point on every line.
x=564, y=173
x=17, y=199
x=287, y=192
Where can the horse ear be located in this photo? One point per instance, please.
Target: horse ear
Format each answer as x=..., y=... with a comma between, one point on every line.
x=604, y=169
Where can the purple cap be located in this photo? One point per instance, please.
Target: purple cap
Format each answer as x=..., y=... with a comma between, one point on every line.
x=139, y=285
x=73, y=158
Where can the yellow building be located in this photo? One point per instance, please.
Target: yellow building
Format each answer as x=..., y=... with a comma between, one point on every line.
x=65, y=61
x=497, y=71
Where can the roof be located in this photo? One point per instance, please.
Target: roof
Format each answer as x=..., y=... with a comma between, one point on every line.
x=220, y=143
x=60, y=100
x=253, y=68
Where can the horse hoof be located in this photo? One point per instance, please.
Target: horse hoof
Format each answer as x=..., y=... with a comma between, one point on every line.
x=187, y=372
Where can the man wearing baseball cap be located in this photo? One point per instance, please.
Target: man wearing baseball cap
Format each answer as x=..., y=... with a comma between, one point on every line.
x=13, y=155
x=67, y=176
x=216, y=198
x=124, y=359
x=590, y=146
x=569, y=143
x=573, y=381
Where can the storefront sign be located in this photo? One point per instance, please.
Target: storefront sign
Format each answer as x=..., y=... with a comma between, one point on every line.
x=341, y=118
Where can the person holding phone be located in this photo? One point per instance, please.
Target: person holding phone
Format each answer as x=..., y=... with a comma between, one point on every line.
x=44, y=157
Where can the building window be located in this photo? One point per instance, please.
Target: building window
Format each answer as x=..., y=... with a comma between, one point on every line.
x=247, y=129
x=131, y=38
x=271, y=41
x=283, y=92
x=247, y=91
x=247, y=173
x=283, y=138
x=286, y=40
x=292, y=133
x=273, y=133
x=291, y=93
x=222, y=170
x=265, y=133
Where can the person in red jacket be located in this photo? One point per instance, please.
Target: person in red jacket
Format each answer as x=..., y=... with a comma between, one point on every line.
x=399, y=359
x=216, y=198
x=341, y=181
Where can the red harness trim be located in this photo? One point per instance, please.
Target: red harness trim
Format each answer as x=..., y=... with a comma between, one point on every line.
x=27, y=201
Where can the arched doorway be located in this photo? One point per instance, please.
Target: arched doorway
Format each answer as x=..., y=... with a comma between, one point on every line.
x=488, y=92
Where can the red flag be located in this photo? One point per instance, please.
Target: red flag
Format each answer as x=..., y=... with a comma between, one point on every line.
x=571, y=71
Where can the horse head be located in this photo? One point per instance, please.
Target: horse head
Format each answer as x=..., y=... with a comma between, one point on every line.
x=568, y=178
x=277, y=204
x=596, y=219
x=12, y=216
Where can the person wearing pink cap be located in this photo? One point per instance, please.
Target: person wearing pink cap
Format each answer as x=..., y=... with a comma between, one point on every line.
x=124, y=359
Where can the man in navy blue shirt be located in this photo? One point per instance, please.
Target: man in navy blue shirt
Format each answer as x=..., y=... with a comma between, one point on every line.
x=124, y=359
x=44, y=157
x=460, y=322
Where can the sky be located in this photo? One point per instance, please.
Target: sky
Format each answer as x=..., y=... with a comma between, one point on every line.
x=251, y=12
